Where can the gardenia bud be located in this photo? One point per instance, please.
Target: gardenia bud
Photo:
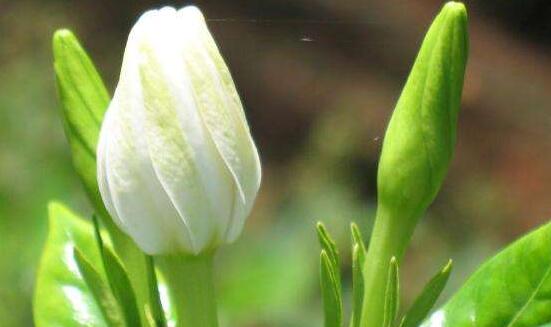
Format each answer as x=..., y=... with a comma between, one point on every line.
x=417, y=150
x=420, y=139
x=177, y=167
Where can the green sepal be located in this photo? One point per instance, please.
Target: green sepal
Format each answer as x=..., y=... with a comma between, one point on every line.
x=357, y=238
x=357, y=284
x=101, y=291
x=330, y=248
x=119, y=281
x=330, y=291
x=358, y=260
x=155, y=309
x=425, y=301
x=392, y=293
x=120, y=284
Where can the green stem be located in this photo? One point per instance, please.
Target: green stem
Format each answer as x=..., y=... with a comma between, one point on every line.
x=390, y=237
x=191, y=289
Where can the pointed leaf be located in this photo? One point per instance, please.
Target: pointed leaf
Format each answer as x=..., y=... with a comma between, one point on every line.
x=101, y=291
x=392, y=293
x=513, y=289
x=62, y=297
x=84, y=100
x=331, y=293
x=357, y=284
x=424, y=303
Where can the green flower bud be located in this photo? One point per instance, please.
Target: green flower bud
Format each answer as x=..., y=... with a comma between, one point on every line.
x=420, y=138
x=417, y=148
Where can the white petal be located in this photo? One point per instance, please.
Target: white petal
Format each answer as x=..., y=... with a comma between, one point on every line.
x=138, y=199
x=222, y=113
x=183, y=155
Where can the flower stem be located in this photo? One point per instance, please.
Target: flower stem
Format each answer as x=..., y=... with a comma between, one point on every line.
x=390, y=237
x=190, y=283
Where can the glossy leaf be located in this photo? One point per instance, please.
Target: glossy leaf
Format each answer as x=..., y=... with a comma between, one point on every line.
x=391, y=294
x=330, y=291
x=424, y=303
x=101, y=291
x=513, y=289
x=62, y=297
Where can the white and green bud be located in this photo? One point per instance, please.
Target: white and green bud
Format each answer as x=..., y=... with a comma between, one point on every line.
x=177, y=167
x=417, y=149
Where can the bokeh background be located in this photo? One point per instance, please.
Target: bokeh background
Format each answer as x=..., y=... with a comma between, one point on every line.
x=319, y=79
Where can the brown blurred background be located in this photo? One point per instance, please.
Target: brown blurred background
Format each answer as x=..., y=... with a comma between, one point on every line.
x=319, y=79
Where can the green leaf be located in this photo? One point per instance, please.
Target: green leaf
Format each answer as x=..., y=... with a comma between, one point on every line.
x=84, y=100
x=424, y=303
x=101, y=291
x=513, y=289
x=62, y=297
x=330, y=291
x=391, y=294
x=155, y=308
x=357, y=284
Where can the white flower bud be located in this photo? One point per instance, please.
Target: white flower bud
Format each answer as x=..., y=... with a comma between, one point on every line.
x=177, y=168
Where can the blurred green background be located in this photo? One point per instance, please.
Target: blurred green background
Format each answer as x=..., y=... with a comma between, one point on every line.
x=319, y=79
